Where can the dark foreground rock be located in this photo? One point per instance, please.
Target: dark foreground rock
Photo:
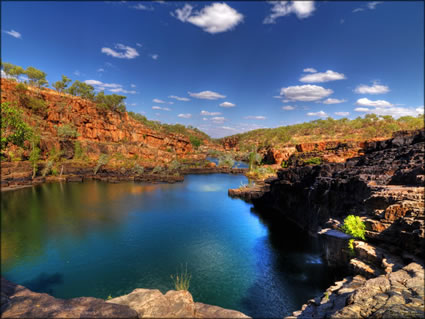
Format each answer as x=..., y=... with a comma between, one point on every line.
x=399, y=294
x=20, y=302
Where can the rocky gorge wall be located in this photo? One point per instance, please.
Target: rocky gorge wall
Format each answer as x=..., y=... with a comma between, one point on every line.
x=385, y=188
x=99, y=131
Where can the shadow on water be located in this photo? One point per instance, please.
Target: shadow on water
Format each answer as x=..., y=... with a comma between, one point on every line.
x=287, y=270
x=44, y=282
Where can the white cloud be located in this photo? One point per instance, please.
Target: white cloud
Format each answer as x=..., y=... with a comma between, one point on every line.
x=101, y=70
x=158, y=101
x=252, y=117
x=207, y=95
x=372, y=5
x=361, y=109
x=310, y=70
x=319, y=114
x=218, y=119
x=215, y=18
x=358, y=10
x=112, y=87
x=178, y=98
x=140, y=6
x=154, y=56
x=378, y=103
x=160, y=108
x=185, y=116
x=288, y=108
x=305, y=93
x=333, y=101
x=302, y=9
x=342, y=113
x=139, y=44
x=395, y=112
x=209, y=113
x=227, y=104
x=204, y=119
x=327, y=76
x=133, y=85
x=420, y=109
x=374, y=89
x=14, y=34
x=77, y=73
x=126, y=52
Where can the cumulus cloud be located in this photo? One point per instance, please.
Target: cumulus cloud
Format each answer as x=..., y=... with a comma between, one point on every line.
x=342, y=113
x=207, y=95
x=372, y=5
x=327, y=76
x=227, y=104
x=185, y=116
x=305, y=93
x=112, y=87
x=288, y=108
x=124, y=52
x=178, y=98
x=101, y=70
x=358, y=10
x=154, y=56
x=394, y=111
x=333, y=101
x=378, y=103
x=310, y=70
x=209, y=113
x=302, y=9
x=160, y=108
x=374, y=89
x=133, y=85
x=13, y=33
x=319, y=114
x=252, y=117
x=215, y=18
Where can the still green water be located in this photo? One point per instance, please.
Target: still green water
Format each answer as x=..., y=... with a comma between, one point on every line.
x=99, y=239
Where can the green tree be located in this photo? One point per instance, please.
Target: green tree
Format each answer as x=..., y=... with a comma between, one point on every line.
x=61, y=85
x=36, y=77
x=12, y=70
x=84, y=90
x=113, y=102
x=13, y=127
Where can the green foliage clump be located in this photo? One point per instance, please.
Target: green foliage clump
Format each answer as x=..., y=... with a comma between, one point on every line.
x=313, y=161
x=35, y=153
x=36, y=104
x=112, y=102
x=226, y=160
x=195, y=141
x=11, y=70
x=103, y=160
x=67, y=131
x=13, y=128
x=254, y=159
x=61, y=85
x=81, y=89
x=182, y=279
x=157, y=170
x=355, y=227
x=36, y=77
x=137, y=169
x=284, y=164
x=79, y=152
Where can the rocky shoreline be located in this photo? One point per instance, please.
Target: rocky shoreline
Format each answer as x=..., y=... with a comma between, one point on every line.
x=20, y=302
x=385, y=188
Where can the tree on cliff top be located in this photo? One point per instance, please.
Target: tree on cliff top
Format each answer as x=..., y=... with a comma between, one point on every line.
x=36, y=77
x=82, y=89
x=12, y=70
x=60, y=86
x=113, y=102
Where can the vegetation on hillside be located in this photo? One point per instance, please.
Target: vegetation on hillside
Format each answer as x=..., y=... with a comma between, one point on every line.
x=371, y=126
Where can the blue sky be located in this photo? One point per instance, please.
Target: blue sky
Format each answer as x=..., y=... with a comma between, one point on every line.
x=228, y=67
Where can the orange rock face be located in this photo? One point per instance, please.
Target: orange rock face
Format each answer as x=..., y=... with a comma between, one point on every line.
x=99, y=131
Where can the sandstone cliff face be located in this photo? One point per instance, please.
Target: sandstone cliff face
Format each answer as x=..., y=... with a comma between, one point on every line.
x=100, y=131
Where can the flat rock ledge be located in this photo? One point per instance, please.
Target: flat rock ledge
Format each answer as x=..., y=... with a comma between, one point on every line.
x=20, y=302
x=399, y=294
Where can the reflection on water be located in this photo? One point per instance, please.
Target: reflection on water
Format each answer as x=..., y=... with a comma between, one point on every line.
x=98, y=239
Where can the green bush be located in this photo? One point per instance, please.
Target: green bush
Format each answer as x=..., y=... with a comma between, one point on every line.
x=157, y=170
x=137, y=169
x=195, y=141
x=355, y=227
x=13, y=127
x=313, y=161
x=67, y=131
x=226, y=161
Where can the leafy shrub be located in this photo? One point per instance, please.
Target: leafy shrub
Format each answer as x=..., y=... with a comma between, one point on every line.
x=79, y=152
x=112, y=102
x=157, y=170
x=284, y=164
x=174, y=165
x=313, y=161
x=103, y=160
x=137, y=169
x=195, y=141
x=355, y=227
x=13, y=127
x=226, y=160
x=67, y=131
x=46, y=170
x=254, y=159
